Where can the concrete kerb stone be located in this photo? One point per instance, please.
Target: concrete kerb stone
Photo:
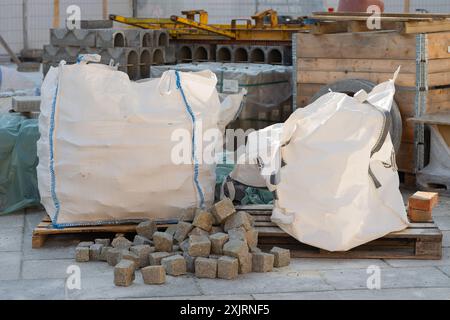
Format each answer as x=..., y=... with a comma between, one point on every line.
x=64, y=37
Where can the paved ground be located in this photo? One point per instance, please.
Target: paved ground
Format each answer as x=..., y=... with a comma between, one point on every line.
x=41, y=274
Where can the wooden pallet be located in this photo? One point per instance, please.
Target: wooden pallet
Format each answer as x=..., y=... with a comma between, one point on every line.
x=45, y=229
x=338, y=22
x=421, y=241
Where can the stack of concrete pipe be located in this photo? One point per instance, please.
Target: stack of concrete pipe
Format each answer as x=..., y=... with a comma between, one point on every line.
x=277, y=55
x=134, y=50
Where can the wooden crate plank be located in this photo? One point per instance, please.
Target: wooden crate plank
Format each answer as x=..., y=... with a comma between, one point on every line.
x=370, y=45
x=437, y=47
x=357, y=65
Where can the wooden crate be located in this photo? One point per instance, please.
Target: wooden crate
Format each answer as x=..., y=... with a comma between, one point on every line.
x=423, y=85
x=421, y=241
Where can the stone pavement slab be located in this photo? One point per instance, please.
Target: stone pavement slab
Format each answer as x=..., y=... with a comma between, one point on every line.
x=32, y=289
x=57, y=269
x=265, y=283
x=390, y=278
x=11, y=239
x=386, y=294
x=103, y=287
x=10, y=265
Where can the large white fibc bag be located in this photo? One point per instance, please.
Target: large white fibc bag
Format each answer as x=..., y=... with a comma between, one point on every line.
x=337, y=185
x=106, y=152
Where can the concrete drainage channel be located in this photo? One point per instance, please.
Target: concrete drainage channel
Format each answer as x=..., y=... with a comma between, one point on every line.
x=133, y=50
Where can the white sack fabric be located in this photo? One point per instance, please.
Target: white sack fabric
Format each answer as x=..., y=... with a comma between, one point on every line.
x=338, y=186
x=105, y=152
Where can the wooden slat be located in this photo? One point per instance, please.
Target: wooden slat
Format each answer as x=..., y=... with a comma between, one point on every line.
x=372, y=45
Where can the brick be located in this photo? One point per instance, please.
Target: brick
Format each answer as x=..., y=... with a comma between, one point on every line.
x=154, y=275
x=415, y=215
x=163, y=241
x=424, y=201
x=146, y=229
x=239, y=219
x=95, y=252
x=124, y=273
x=199, y=246
x=128, y=255
x=121, y=243
x=139, y=240
x=245, y=263
x=235, y=248
x=82, y=254
x=174, y=265
x=104, y=253
x=85, y=244
x=198, y=232
x=282, y=257
x=143, y=252
x=190, y=262
x=183, y=229
x=206, y=268
x=114, y=255
x=223, y=209
x=156, y=257
x=203, y=220
x=238, y=234
x=217, y=242
x=227, y=268
x=252, y=237
x=262, y=262
x=104, y=242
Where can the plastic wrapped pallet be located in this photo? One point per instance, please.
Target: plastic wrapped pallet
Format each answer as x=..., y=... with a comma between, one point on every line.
x=269, y=86
x=105, y=152
x=331, y=167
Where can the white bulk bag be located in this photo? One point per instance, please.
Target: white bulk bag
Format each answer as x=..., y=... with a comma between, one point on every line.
x=105, y=153
x=338, y=186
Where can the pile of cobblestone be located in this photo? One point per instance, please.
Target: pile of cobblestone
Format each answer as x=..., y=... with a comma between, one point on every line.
x=220, y=243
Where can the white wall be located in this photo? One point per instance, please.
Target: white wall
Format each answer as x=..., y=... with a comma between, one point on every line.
x=41, y=12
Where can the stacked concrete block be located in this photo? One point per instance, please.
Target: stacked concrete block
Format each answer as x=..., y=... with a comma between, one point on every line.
x=241, y=54
x=73, y=38
x=134, y=50
x=202, y=53
x=184, y=52
x=224, y=53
